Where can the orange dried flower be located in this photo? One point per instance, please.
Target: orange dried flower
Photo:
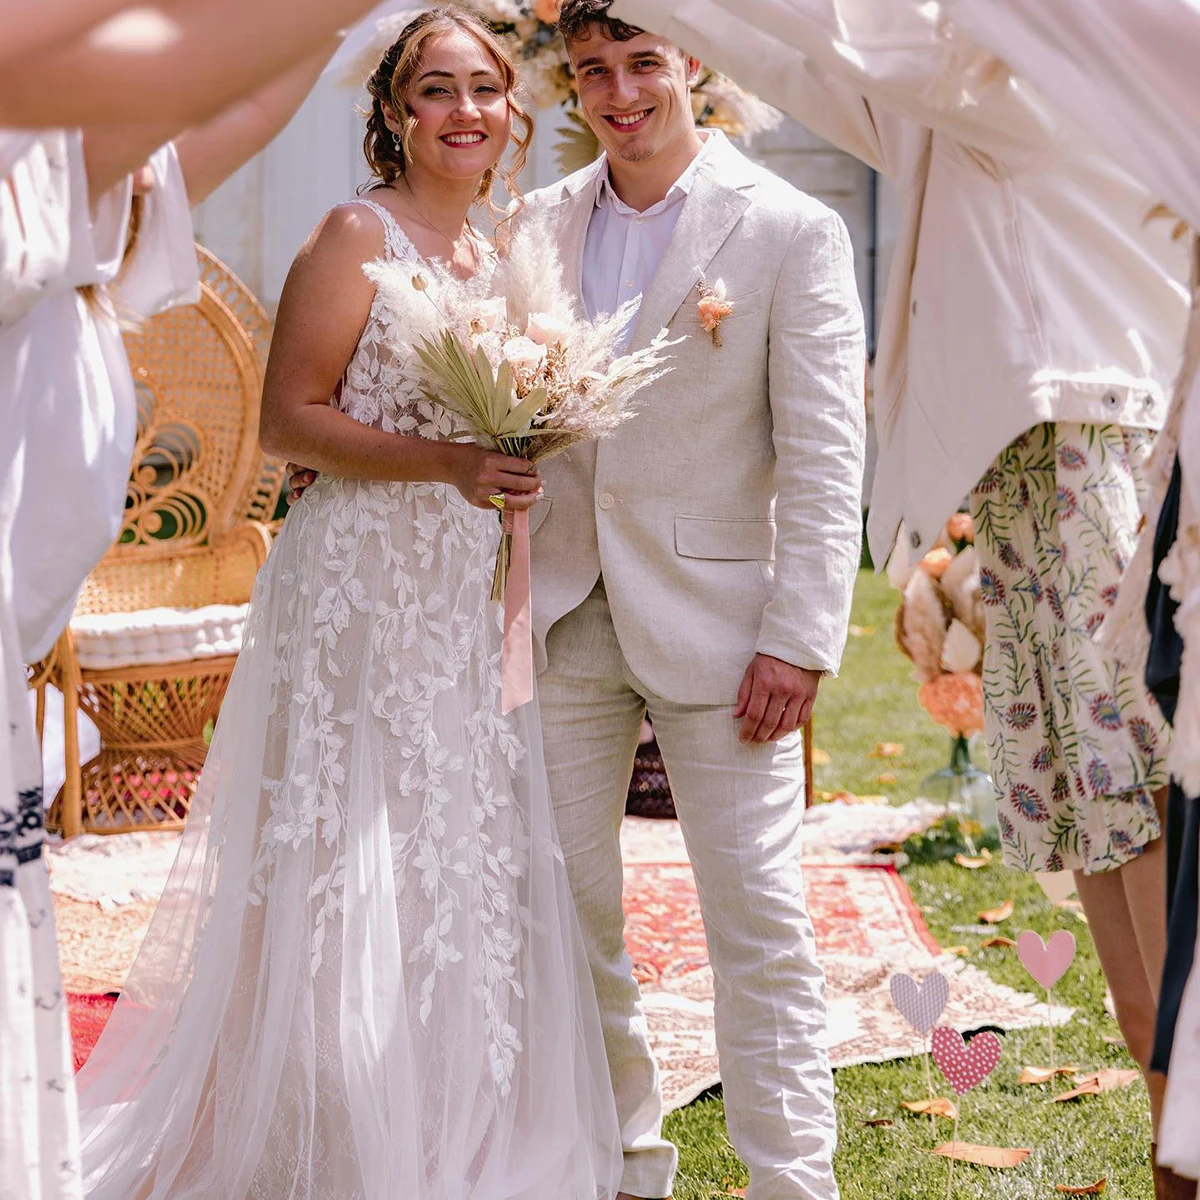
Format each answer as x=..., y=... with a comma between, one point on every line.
x=936, y=561
x=546, y=11
x=961, y=528
x=955, y=701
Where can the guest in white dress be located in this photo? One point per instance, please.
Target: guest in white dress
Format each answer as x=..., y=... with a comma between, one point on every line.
x=365, y=980
x=67, y=419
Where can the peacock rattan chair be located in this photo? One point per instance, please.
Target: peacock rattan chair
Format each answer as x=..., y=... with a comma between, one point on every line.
x=141, y=657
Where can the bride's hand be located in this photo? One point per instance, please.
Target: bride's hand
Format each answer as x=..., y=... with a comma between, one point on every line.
x=482, y=473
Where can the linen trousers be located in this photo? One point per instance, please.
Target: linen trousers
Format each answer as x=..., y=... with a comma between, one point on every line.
x=741, y=810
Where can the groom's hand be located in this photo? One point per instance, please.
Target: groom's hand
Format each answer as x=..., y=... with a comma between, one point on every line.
x=775, y=699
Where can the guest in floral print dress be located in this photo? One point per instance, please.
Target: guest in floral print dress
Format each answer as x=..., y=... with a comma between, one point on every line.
x=1076, y=745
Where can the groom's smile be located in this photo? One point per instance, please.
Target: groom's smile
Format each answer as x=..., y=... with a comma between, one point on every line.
x=629, y=122
x=635, y=93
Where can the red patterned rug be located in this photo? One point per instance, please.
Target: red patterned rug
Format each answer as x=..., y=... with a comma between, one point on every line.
x=87, y=1015
x=867, y=925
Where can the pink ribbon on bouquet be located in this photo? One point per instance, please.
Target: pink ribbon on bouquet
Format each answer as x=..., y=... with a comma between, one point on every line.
x=516, y=660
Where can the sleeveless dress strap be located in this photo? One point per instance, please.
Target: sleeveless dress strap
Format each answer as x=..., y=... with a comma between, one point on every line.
x=397, y=243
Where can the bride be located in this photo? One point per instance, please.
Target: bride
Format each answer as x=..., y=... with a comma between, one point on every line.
x=365, y=981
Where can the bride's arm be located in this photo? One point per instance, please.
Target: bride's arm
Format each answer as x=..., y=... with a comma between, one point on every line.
x=322, y=312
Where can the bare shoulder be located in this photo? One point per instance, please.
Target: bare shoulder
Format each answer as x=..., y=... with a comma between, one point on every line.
x=347, y=236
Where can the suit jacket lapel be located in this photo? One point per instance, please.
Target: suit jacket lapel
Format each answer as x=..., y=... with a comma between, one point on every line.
x=710, y=212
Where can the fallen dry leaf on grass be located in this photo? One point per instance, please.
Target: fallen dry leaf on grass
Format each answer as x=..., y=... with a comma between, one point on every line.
x=861, y=630
x=878, y=1122
x=821, y=758
x=1114, y=1041
x=1092, y=1189
x=1044, y=1074
x=939, y=1106
x=1000, y=1157
x=973, y=864
x=961, y=951
x=1110, y=1079
x=885, y=778
x=993, y=916
x=997, y=941
x=887, y=750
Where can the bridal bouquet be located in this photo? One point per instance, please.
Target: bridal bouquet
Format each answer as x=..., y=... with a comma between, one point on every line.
x=521, y=371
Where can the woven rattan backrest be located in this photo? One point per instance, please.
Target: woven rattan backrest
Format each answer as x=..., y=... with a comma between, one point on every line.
x=197, y=468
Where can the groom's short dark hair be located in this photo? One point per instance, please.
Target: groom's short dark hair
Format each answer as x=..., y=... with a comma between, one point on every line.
x=579, y=19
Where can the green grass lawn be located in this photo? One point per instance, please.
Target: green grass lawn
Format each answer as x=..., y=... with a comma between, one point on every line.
x=1074, y=1143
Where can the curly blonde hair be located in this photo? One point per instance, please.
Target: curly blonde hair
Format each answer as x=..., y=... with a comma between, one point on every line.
x=387, y=155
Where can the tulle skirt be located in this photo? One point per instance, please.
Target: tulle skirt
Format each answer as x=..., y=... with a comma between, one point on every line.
x=365, y=980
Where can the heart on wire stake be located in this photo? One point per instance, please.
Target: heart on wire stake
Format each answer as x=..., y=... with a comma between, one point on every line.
x=965, y=1064
x=1047, y=962
x=920, y=1004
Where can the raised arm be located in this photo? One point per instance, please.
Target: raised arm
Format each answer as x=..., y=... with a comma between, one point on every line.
x=1125, y=73
x=178, y=63
x=324, y=307
x=895, y=53
x=211, y=151
x=27, y=28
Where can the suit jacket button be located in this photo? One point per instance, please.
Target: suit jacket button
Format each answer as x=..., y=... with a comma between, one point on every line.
x=605, y=501
x=1111, y=400
x=914, y=539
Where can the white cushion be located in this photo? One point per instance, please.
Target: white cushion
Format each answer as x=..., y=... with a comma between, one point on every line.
x=158, y=635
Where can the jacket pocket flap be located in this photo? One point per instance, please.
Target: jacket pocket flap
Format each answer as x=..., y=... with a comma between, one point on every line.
x=725, y=537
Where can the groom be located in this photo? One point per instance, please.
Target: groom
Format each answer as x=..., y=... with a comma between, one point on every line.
x=698, y=567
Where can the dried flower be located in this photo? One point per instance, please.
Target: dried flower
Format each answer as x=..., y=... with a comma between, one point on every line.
x=961, y=650
x=961, y=528
x=713, y=308
x=546, y=11
x=955, y=701
x=922, y=630
x=936, y=561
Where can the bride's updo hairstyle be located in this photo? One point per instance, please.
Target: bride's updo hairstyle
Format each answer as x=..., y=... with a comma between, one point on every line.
x=389, y=82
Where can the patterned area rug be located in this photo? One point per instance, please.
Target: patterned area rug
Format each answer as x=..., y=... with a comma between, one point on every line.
x=867, y=924
x=868, y=927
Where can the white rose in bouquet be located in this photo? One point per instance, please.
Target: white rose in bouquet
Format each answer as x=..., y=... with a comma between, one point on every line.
x=547, y=329
x=524, y=355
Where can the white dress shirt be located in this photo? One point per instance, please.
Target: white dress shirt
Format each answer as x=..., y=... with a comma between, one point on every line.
x=624, y=247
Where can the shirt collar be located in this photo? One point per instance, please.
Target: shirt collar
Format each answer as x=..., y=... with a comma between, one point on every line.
x=678, y=191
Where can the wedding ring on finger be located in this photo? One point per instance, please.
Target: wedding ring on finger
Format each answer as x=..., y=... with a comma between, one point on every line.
x=497, y=500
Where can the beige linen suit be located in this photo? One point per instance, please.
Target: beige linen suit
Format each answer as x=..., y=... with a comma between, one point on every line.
x=722, y=521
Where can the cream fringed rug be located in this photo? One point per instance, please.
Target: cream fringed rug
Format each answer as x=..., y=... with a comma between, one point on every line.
x=867, y=925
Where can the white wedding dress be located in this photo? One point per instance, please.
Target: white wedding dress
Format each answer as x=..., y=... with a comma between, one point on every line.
x=365, y=979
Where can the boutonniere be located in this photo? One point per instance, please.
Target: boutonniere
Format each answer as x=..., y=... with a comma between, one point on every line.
x=713, y=307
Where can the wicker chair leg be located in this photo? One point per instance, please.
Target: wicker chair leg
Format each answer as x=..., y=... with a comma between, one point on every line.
x=70, y=807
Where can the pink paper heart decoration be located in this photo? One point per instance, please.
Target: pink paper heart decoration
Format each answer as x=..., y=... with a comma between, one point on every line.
x=965, y=1064
x=1046, y=963
x=920, y=1003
